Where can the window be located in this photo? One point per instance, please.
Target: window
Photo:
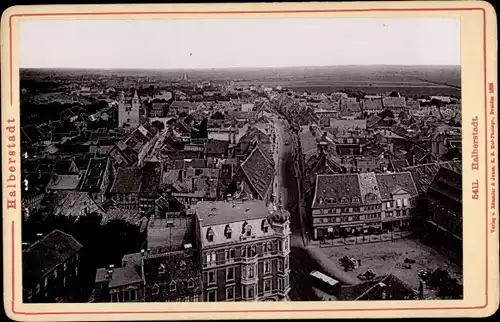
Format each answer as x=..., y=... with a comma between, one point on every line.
x=210, y=235
x=281, y=284
x=46, y=282
x=190, y=282
x=251, y=271
x=161, y=269
x=267, y=286
x=211, y=296
x=250, y=291
x=228, y=232
x=267, y=267
x=173, y=286
x=230, y=274
x=253, y=250
x=76, y=271
x=280, y=265
x=280, y=246
x=399, y=203
x=64, y=280
x=55, y=273
x=211, y=277
x=230, y=293
x=243, y=251
x=388, y=204
x=405, y=202
x=265, y=226
x=65, y=266
x=337, y=219
x=286, y=245
x=349, y=218
x=248, y=230
x=214, y=258
x=286, y=262
x=132, y=295
x=325, y=220
x=407, y=212
x=155, y=290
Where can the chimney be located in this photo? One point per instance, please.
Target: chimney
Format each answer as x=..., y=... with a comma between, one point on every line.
x=25, y=246
x=39, y=236
x=421, y=289
x=229, y=197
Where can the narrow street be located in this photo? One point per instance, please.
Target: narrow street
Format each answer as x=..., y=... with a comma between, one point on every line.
x=303, y=258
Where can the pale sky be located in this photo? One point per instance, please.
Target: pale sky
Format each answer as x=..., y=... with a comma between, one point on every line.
x=222, y=43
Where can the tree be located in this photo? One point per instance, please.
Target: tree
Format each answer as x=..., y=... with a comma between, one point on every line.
x=386, y=113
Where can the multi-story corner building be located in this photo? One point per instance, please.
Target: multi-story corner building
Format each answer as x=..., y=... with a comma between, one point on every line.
x=245, y=250
x=51, y=268
x=354, y=204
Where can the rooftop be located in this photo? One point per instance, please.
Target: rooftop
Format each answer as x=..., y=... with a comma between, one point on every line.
x=127, y=180
x=170, y=233
x=220, y=212
x=389, y=183
x=47, y=253
x=120, y=276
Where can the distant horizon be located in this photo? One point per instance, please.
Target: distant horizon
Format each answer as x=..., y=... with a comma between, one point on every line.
x=236, y=67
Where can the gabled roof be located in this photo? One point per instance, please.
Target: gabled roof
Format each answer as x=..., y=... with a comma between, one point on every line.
x=336, y=188
x=127, y=180
x=424, y=174
x=397, y=102
x=121, y=276
x=393, y=182
x=47, y=253
x=259, y=171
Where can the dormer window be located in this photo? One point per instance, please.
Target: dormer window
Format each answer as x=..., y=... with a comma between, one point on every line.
x=244, y=227
x=355, y=199
x=173, y=286
x=248, y=230
x=155, y=290
x=228, y=232
x=344, y=200
x=265, y=226
x=190, y=282
x=161, y=269
x=183, y=265
x=210, y=235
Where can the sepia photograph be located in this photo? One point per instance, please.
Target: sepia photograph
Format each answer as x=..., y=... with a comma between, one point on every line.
x=220, y=160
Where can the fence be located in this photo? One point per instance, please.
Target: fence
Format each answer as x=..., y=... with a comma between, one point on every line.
x=364, y=239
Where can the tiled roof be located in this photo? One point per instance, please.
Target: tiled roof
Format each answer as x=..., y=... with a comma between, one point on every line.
x=216, y=147
x=372, y=104
x=171, y=238
x=389, y=183
x=150, y=178
x=190, y=163
x=64, y=167
x=447, y=183
x=130, y=216
x=337, y=187
x=127, y=180
x=181, y=267
x=424, y=174
x=47, y=253
x=64, y=182
x=372, y=120
x=389, y=102
x=72, y=203
x=368, y=186
x=259, y=171
x=121, y=276
x=352, y=106
x=344, y=125
x=221, y=212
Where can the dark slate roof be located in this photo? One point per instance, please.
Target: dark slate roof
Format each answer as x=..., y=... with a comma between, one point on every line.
x=424, y=174
x=173, y=238
x=259, y=170
x=253, y=133
x=121, y=276
x=151, y=178
x=216, y=147
x=336, y=187
x=127, y=180
x=390, y=182
x=447, y=183
x=47, y=253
